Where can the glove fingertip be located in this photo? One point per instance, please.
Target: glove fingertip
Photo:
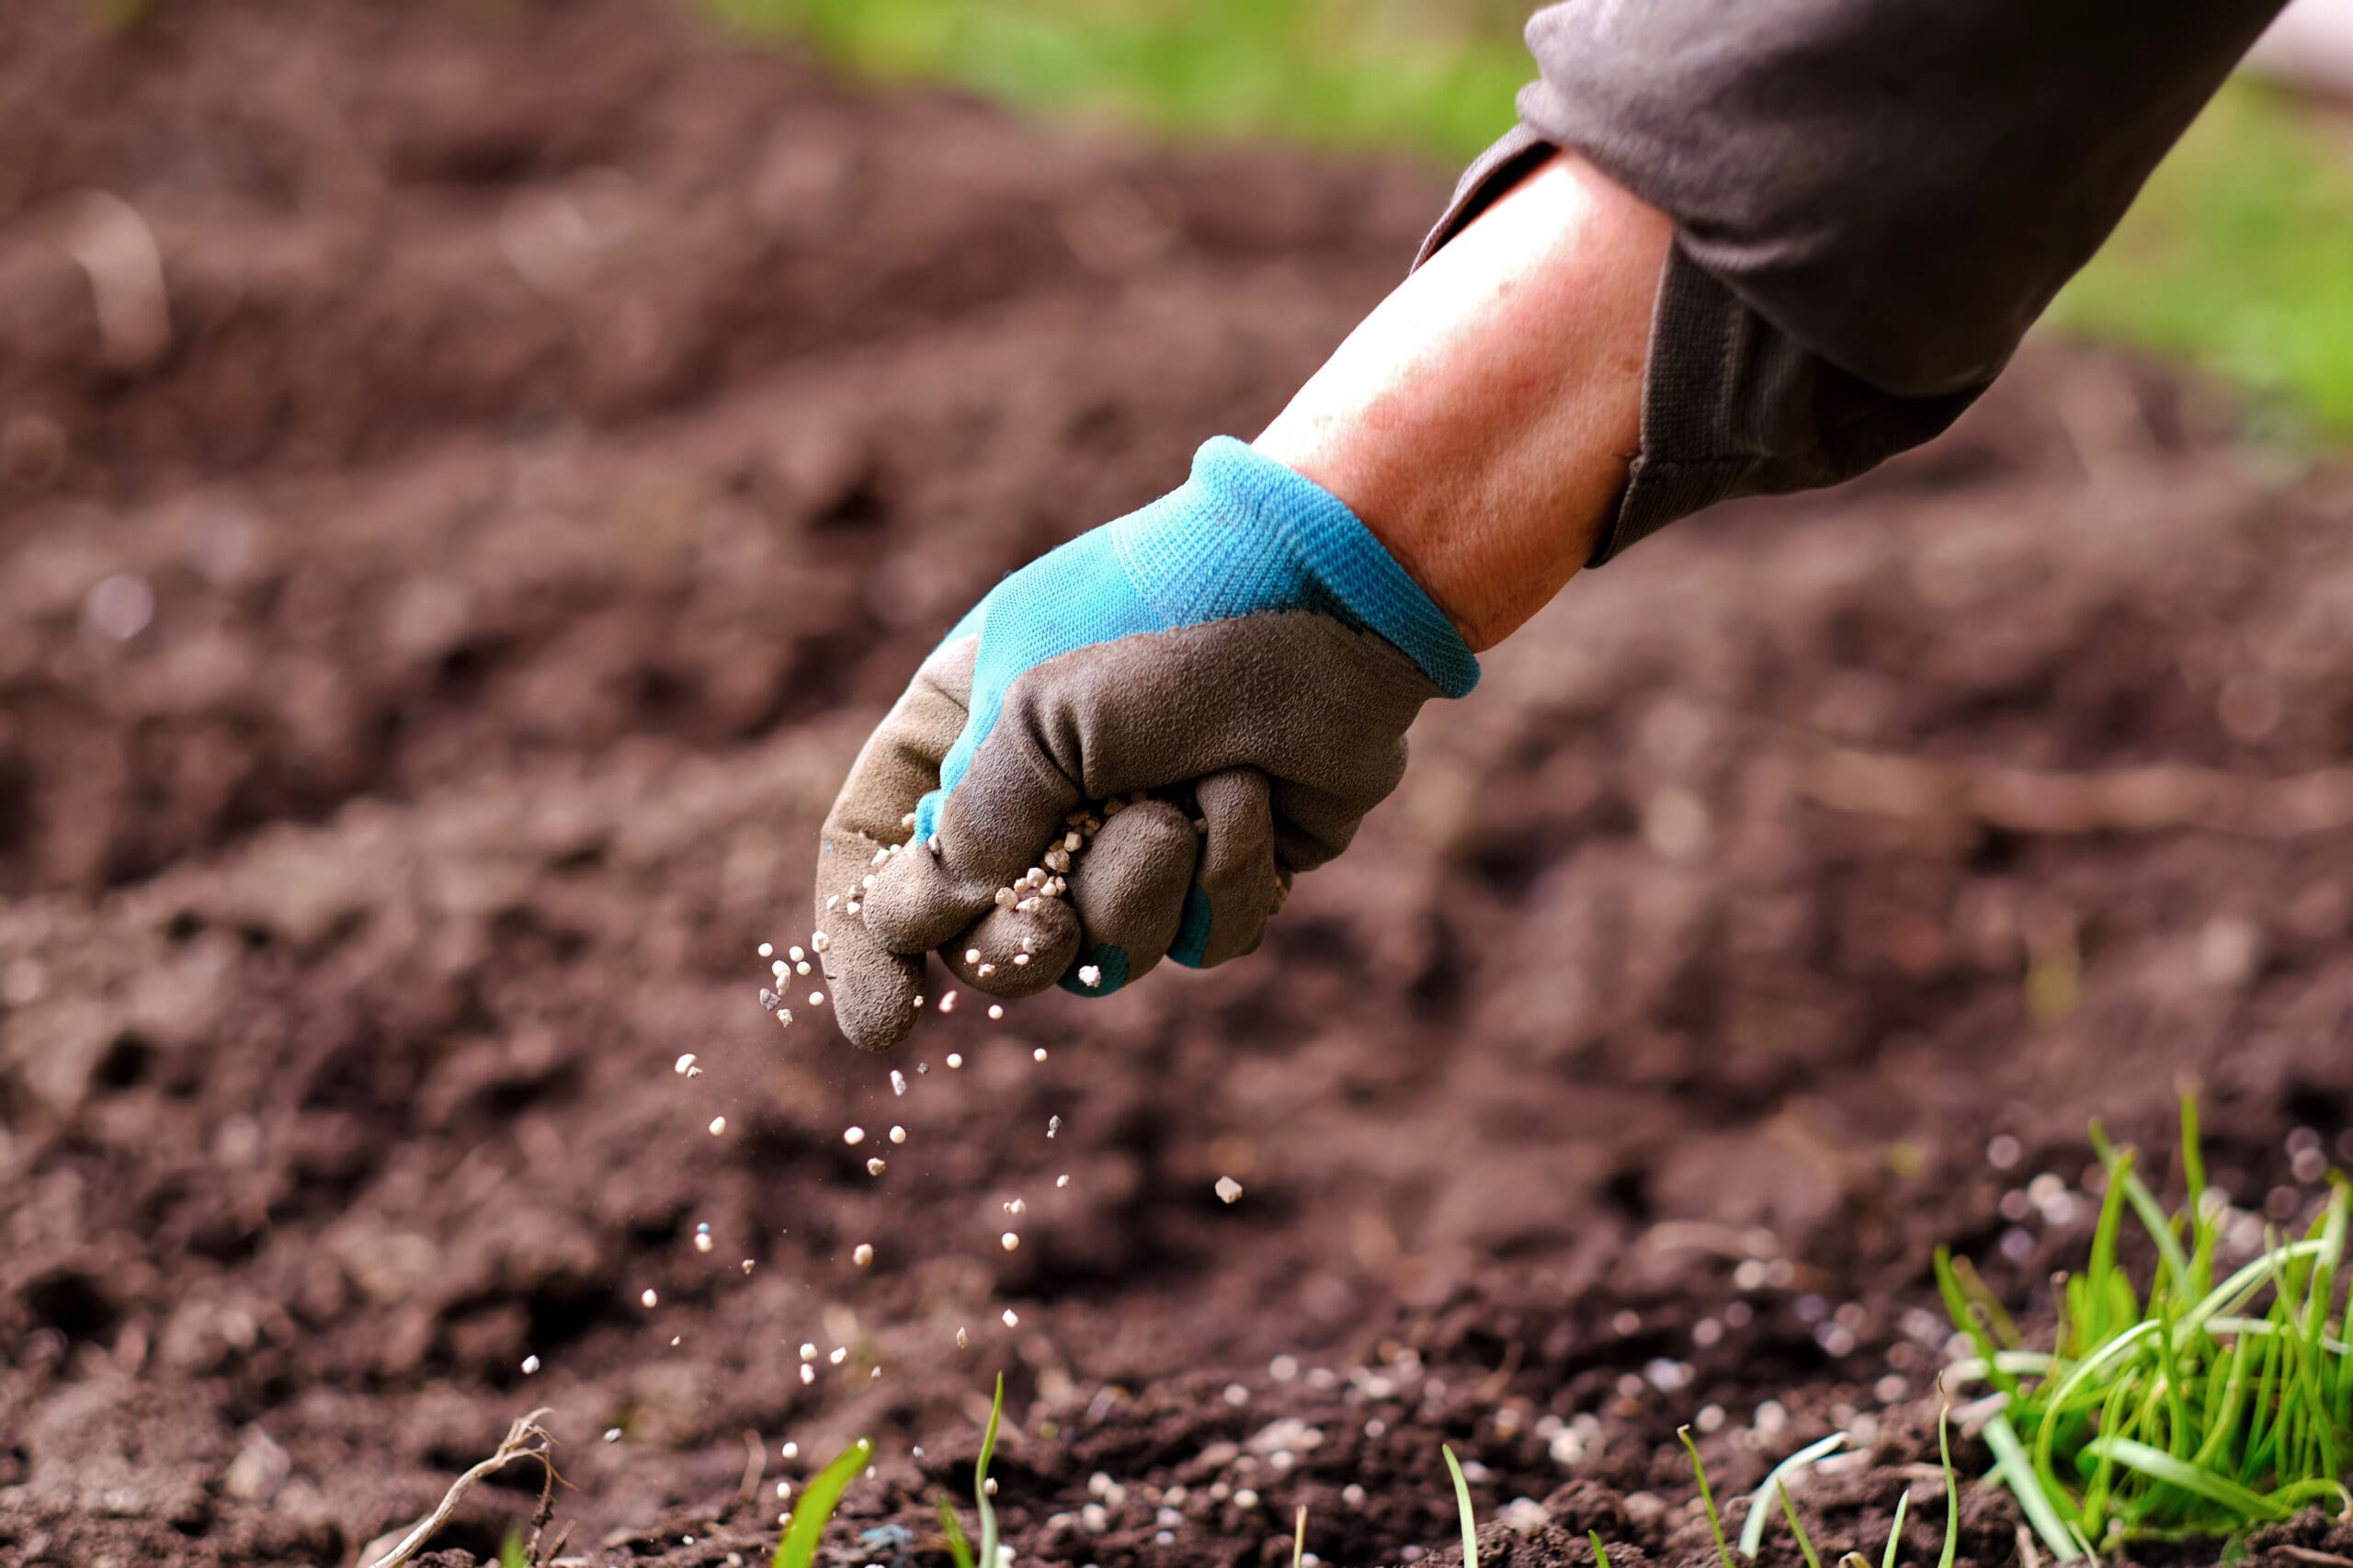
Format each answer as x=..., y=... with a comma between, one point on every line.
x=1192, y=944
x=1109, y=965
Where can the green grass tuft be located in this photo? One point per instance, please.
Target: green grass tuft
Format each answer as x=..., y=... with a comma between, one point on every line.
x=2190, y=1407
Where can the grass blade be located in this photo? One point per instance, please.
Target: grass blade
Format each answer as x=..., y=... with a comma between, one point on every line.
x=981, y=1479
x=960, y=1550
x=1752, y=1530
x=2017, y=1474
x=1601, y=1553
x=2158, y=1465
x=1952, y=1493
x=1299, y=1540
x=1707, y=1496
x=818, y=1501
x=1789, y=1509
x=1895, y=1531
x=1462, y=1502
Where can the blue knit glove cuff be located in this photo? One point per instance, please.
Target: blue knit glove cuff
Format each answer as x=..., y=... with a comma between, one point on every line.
x=1245, y=535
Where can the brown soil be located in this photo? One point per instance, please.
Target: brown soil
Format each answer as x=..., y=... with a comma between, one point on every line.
x=573, y=426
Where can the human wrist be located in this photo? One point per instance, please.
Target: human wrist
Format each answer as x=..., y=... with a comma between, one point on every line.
x=1240, y=502
x=1480, y=422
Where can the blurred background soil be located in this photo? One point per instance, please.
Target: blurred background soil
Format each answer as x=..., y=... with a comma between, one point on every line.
x=470, y=474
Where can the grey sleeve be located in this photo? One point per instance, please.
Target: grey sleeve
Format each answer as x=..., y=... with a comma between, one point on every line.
x=1872, y=199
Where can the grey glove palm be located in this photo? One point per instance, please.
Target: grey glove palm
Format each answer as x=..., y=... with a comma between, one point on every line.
x=1242, y=654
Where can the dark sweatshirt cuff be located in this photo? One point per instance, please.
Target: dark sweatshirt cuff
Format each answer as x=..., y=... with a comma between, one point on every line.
x=1732, y=405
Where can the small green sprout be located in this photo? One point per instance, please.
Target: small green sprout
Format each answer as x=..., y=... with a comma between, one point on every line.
x=1707, y=1496
x=1601, y=1553
x=960, y=1548
x=1775, y=1488
x=1752, y=1530
x=1805, y=1543
x=1463, y=1505
x=818, y=1501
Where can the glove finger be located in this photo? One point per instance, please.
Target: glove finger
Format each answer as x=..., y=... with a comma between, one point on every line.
x=1024, y=951
x=874, y=988
x=1127, y=891
x=995, y=825
x=1240, y=884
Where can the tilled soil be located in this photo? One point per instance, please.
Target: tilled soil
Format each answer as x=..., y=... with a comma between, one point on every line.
x=425, y=668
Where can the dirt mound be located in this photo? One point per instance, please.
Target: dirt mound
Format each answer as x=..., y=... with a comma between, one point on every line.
x=423, y=677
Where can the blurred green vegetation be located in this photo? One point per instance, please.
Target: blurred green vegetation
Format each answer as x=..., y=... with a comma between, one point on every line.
x=2238, y=258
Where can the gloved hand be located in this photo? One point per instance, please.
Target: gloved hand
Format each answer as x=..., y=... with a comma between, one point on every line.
x=1242, y=652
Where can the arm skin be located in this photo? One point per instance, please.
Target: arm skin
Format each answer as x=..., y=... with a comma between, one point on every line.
x=1481, y=419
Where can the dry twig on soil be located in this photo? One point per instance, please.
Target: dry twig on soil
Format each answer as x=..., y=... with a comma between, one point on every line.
x=517, y=1444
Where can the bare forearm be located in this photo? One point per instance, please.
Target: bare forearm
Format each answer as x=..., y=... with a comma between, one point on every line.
x=1481, y=419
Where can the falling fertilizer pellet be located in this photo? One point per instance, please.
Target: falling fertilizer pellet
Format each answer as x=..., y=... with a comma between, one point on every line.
x=899, y=1079
x=853, y=1135
x=648, y=1299
x=1228, y=1188
x=817, y=999
x=612, y=1434
x=683, y=1063
x=1015, y=1206
x=1039, y=1054
x=702, y=1241
x=808, y=1351
x=718, y=1125
x=1011, y=1317
x=1010, y=1242
x=837, y=1354
x=874, y=1165
x=808, y=1373
x=955, y=1060
x=962, y=1339
x=948, y=1003
x=863, y=1255
x=1089, y=976
x=790, y=1451
x=898, y=1135
x=767, y=949
x=1054, y=1125
x=1062, y=1180
x=996, y=1010
x=531, y=1365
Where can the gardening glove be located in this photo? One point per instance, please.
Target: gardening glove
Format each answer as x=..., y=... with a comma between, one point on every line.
x=1185, y=708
